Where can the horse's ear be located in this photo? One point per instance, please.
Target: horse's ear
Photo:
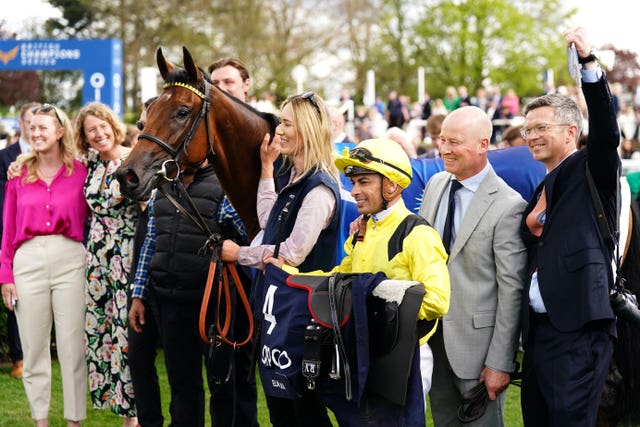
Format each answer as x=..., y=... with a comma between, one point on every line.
x=190, y=66
x=163, y=65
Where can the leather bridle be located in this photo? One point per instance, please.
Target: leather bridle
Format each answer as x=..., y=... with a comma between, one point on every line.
x=184, y=144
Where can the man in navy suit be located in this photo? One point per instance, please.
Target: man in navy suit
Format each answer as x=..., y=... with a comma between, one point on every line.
x=8, y=155
x=568, y=324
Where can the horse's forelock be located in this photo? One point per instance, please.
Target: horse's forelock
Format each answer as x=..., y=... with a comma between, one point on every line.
x=180, y=75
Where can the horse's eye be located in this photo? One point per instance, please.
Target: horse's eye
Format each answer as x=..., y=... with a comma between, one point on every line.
x=183, y=112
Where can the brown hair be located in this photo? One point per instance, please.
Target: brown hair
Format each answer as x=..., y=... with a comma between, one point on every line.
x=512, y=133
x=434, y=123
x=231, y=62
x=26, y=107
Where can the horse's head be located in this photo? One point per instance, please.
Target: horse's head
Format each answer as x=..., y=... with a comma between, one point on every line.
x=175, y=140
x=190, y=122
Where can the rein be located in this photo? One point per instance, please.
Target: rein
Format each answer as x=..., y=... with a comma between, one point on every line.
x=214, y=241
x=217, y=269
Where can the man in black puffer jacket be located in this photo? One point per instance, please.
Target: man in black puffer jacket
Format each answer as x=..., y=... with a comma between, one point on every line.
x=170, y=264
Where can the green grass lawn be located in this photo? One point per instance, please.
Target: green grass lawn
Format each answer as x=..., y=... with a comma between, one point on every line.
x=14, y=408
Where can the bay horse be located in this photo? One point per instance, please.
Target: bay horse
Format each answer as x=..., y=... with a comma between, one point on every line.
x=192, y=121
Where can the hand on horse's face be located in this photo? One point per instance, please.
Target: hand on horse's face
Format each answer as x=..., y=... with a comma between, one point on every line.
x=230, y=251
x=270, y=150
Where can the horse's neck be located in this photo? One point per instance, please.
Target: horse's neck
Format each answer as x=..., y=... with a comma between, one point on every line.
x=239, y=133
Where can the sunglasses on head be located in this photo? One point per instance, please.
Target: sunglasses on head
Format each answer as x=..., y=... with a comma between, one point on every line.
x=310, y=95
x=46, y=108
x=363, y=155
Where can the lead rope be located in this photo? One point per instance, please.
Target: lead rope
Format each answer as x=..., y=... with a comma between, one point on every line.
x=214, y=240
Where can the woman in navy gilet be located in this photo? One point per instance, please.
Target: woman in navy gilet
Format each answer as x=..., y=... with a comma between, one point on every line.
x=298, y=207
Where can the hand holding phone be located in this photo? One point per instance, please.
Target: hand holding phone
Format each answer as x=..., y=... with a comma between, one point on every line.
x=574, y=65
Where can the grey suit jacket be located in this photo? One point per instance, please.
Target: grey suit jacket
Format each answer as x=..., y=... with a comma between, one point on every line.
x=487, y=269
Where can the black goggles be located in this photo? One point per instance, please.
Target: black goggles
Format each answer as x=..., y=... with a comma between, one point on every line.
x=363, y=155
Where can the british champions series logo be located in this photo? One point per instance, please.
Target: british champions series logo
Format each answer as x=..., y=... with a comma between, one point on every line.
x=5, y=57
x=39, y=54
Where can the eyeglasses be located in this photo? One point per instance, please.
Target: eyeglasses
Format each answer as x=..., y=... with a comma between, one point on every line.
x=46, y=108
x=540, y=129
x=363, y=155
x=140, y=125
x=310, y=95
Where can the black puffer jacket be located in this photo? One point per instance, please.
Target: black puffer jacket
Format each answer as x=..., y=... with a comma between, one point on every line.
x=176, y=269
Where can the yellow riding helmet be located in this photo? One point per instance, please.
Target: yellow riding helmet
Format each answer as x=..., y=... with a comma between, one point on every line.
x=380, y=155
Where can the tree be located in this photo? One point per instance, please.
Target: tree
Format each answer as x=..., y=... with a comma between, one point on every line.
x=499, y=42
x=16, y=86
x=626, y=69
x=475, y=43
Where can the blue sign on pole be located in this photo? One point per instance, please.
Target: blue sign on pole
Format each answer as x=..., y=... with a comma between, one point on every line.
x=99, y=59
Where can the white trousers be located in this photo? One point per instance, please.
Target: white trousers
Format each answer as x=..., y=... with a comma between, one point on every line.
x=49, y=273
x=426, y=368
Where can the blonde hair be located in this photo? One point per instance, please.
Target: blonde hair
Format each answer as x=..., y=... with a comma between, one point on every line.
x=313, y=126
x=103, y=112
x=67, y=144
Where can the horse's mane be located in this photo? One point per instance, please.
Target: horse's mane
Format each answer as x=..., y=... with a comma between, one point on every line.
x=180, y=75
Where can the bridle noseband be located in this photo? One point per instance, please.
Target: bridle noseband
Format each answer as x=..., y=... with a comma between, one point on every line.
x=184, y=144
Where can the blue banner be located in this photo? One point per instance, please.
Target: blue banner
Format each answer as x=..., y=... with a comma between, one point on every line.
x=100, y=61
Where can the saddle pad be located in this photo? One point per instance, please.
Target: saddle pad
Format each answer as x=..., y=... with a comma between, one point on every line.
x=389, y=373
x=318, y=298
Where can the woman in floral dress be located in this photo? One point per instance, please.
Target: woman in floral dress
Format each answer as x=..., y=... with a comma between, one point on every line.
x=109, y=250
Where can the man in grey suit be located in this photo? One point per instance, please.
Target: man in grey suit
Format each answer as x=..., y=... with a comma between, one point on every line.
x=477, y=339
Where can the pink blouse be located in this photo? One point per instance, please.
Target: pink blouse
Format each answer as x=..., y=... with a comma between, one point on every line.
x=37, y=209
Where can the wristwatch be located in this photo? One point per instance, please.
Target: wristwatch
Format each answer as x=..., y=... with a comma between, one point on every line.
x=593, y=56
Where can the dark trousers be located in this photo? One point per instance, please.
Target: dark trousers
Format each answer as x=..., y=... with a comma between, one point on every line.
x=231, y=404
x=307, y=411
x=564, y=373
x=374, y=410
x=13, y=338
x=142, y=358
x=234, y=402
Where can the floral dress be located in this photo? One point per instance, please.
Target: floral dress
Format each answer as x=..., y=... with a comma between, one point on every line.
x=109, y=251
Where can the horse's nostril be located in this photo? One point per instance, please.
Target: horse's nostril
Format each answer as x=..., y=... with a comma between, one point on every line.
x=131, y=177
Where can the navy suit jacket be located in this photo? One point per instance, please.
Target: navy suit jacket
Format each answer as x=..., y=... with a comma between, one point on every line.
x=572, y=259
x=7, y=155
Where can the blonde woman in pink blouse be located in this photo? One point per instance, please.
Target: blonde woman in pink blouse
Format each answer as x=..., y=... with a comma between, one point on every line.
x=42, y=263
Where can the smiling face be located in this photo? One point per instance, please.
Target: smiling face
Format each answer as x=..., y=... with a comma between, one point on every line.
x=367, y=192
x=100, y=136
x=465, y=141
x=288, y=131
x=553, y=144
x=45, y=133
